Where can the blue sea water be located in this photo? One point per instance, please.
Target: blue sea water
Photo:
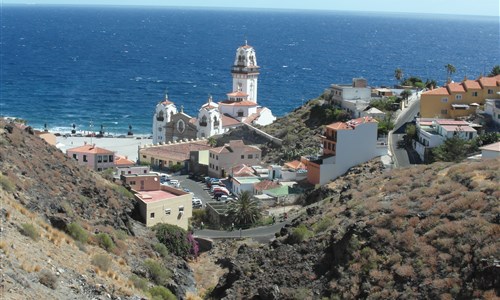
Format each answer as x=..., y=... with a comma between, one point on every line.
x=109, y=66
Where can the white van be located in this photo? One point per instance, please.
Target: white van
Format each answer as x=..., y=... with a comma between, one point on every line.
x=175, y=183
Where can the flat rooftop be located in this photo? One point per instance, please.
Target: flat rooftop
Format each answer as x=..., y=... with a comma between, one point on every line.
x=154, y=196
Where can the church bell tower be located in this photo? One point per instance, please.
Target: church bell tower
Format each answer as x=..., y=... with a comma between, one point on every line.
x=245, y=72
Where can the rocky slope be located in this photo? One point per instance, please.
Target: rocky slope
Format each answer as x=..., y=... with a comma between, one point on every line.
x=426, y=232
x=42, y=192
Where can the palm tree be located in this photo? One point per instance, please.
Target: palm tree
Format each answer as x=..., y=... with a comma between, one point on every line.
x=244, y=211
x=212, y=141
x=450, y=69
x=398, y=74
x=495, y=71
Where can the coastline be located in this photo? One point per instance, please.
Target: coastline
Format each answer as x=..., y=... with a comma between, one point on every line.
x=126, y=146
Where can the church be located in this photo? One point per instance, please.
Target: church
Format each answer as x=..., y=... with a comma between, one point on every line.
x=239, y=109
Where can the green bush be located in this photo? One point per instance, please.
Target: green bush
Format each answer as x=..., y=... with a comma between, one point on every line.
x=121, y=234
x=139, y=282
x=77, y=232
x=105, y=241
x=123, y=191
x=102, y=261
x=161, y=293
x=6, y=184
x=300, y=234
x=30, y=230
x=108, y=174
x=158, y=273
x=174, y=237
x=161, y=249
x=322, y=225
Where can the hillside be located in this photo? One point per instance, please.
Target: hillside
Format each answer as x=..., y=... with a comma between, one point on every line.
x=426, y=232
x=67, y=233
x=299, y=130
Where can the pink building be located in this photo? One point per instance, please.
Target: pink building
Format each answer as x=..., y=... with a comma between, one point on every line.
x=94, y=157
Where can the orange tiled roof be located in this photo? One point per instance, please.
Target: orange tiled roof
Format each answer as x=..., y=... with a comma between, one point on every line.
x=454, y=87
x=490, y=81
x=472, y=85
x=265, y=185
x=242, y=170
x=228, y=121
x=295, y=164
x=123, y=161
x=177, y=152
x=90, y=149
x=238, y=103
x=439, y=91
x=338, y=125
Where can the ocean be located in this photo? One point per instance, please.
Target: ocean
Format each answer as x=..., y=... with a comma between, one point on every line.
x=110, y=66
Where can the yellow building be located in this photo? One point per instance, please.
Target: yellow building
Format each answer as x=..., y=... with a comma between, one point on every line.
x=459, y=99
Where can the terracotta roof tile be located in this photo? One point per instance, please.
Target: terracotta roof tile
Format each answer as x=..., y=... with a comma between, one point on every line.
x=472, y=85
x=123, y=161
x=238, y=103
x=439, y=91
x=265, y=185
x=177, y=152
x=489, y=81
x=229, y=121
x=454, y=87
x=295, y=165
x=237, y=94
x=90, y=149
x=338, y=125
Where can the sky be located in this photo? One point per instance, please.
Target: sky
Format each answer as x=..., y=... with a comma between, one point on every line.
x=455, y=7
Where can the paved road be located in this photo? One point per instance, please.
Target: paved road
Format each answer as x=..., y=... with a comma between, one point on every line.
x=400, y=156
x=199, y=189
x=263, y=233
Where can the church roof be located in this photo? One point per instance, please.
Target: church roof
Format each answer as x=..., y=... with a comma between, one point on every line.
x=238, y=103
x=228, y=121
x=237, y=94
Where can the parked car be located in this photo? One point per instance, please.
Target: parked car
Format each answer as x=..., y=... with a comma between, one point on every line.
x=175, y=183
x=197, y=203
x=221, y=189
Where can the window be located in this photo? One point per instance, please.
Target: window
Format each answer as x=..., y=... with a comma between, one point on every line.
x=474, y=94
x=99, y=158
x=75, y=157
x=217, y=168
x=99, y=169
x=129, y=172
x=243, y=156
x=250, y=156
x=145, y=171
x=444, y=100
x=181, y=209
x=444, y=111
x=85, y=158
x=256, y=156
x=105, y=158
x=217, y=157
x=152, y=215
x=111, y=158
x=490, y=92
x=458, y=97
x=168, y=211
x=144, y=156
x=132, y=182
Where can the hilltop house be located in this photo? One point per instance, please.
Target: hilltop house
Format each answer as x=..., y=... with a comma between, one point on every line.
x=96, y=158
x=354, y=98
x=459, y=99
x=159, y=203
x=433, y=132
x=345, y=144
x=239, y=108
x=222, y=159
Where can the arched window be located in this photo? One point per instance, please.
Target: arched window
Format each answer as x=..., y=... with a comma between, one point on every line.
x=216, y=121
x=203, y=121
x=159, y=116
x=240, y=113
x=181, y=126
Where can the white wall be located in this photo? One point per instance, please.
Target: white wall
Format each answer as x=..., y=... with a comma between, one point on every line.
x=266, y=117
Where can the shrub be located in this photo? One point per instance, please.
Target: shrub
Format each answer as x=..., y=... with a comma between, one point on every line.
x=30, y=231
x=300, y=234
x=160, y=292
x=121, y=234
x=6, y=184
x=174, y=238
x=105, y=241
x=161, y=249
x=322, y=225
x=139, y=282
x=123, y=191
x=48, y=279
x=77, y=232
x=158, y=273
x=102, y=261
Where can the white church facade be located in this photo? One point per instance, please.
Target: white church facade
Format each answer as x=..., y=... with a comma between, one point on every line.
x=239, y=108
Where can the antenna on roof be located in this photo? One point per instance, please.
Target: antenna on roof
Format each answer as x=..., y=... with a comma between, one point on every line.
x=166, y=93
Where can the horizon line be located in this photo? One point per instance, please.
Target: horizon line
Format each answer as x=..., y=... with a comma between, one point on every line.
x=243, y=8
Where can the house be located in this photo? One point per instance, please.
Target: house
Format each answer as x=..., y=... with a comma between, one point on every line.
x=166, y=205
x=354, y=98
x=244, y=184
x=159, y=203
x=263, y=185
x=459, y=99
x=490, y=151
x=242, y=170
x=374, y=113
x=223, y=159
x=293, y=170
x=492, y=108
x=345, y=144
x=96, y=158
x=128, y=170
x=172, y=153
x=433, y=132
x=123, y=162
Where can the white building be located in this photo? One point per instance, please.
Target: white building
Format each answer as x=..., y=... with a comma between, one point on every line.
x=163, y=114
x=345, y=144
x=490, y=151
x=492, y=108
x=354, y=98
x=433, y=132
x=209, y=121
x=244, y=184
